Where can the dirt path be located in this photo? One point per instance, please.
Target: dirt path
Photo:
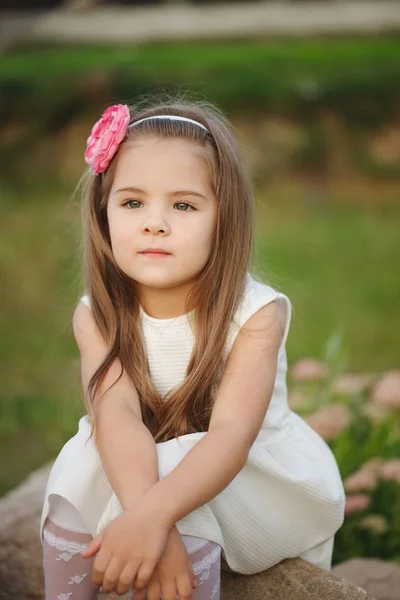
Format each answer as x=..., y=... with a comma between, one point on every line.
x=123, y=24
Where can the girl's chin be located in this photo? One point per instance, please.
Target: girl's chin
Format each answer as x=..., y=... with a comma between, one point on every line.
x=160, y=280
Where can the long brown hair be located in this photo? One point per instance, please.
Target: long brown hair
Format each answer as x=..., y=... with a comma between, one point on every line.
x=114, y=298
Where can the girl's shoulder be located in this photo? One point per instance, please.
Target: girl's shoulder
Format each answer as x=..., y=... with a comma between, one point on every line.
x=257, y=294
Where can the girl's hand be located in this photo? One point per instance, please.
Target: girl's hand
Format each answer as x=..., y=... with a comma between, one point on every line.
x=128, y=549
x=173, y=575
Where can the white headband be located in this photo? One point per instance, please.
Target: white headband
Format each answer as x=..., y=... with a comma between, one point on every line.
x=172, y=118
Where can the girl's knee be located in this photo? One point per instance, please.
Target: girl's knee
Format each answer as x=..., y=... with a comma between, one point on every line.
x=66, y=572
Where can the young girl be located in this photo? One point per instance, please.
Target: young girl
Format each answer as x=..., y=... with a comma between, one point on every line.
x=189, y=455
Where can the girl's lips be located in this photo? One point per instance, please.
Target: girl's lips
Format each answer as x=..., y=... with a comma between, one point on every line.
x=155, y=254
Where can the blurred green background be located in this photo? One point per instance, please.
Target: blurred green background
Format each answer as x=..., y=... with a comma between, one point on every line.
x=319, y=124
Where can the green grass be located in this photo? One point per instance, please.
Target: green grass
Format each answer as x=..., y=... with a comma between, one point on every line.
x=339, y=56
x=339, y=265
x=277, y=74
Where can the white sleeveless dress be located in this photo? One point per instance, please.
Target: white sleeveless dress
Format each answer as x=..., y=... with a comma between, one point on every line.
x=287, y=501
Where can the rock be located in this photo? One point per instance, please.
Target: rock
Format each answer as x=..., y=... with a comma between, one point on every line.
x=21, y=572
x=292, y=579
x=381, y=579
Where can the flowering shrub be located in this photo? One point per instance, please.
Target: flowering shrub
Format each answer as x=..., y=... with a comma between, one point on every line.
x=359, y=417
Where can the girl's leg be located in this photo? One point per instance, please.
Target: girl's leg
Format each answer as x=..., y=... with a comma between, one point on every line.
x=67, y=574
x=206, y=562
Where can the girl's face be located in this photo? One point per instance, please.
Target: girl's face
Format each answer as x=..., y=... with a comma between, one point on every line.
x=161, y=197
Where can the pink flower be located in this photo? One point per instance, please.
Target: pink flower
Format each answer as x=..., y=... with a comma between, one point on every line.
x=387, y=390
x=390, y=470
x=376, y=412
x=352, y=383
x=373, y=465
x=106, y=135
x=375, y=523
x=330, y=420
x=308, y=369
x=360, y=480
x=356, y=503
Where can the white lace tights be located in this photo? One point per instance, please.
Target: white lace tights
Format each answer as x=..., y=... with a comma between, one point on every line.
x=67, y=574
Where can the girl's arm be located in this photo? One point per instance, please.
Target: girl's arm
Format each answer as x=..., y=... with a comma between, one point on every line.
x=129, y=458
x=237, y=416
x=125, y=445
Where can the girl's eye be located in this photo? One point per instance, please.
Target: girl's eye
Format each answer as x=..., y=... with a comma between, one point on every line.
x=129, y=203
x=185, y=204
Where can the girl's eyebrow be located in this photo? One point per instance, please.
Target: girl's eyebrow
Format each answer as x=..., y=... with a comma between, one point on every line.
x=177, y=193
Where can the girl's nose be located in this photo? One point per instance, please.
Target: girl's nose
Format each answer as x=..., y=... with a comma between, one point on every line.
x=156, y=224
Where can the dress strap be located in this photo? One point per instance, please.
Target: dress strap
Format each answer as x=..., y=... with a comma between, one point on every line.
x=85, y=300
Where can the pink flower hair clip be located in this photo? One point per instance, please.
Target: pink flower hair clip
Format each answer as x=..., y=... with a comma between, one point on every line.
x=106, y=135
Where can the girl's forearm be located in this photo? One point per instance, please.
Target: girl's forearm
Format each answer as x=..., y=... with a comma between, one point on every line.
x=128, y=453
x=126, y=447
x=204, y=472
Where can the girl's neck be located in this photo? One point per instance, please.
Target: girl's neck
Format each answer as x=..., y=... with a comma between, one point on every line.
x=166, y=303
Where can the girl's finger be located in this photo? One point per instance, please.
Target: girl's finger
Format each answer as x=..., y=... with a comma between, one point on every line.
x=100, y=565
x=94, y=546
x=112, y=573
x=153, y=590
x=125, y=579
x=138, y=594
x=143, y=575
x=184, y=587
x=194, y=582
x=168, y=589
x=192, y=578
